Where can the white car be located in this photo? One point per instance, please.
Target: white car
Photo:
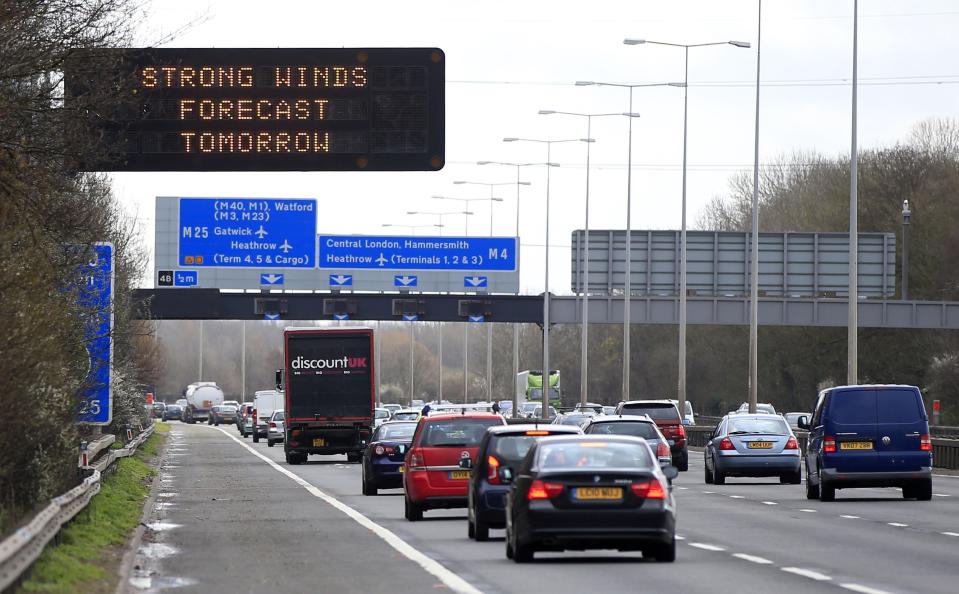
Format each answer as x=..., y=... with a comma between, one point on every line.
x=406, y=414
x=392, y=407
x=688, y=417
x=276, y=432
x=380, y=416
x=264, y=403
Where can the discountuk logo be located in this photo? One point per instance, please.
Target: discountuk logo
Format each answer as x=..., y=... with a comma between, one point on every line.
x=301, y=362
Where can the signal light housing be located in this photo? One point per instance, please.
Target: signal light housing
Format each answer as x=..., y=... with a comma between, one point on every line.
x=542, y=490
x=829, y=444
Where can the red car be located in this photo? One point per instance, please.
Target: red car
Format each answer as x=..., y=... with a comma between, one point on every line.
x=669, y=421
x=433, y=476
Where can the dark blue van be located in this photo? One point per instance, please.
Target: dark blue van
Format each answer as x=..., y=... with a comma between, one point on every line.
x=868, y=436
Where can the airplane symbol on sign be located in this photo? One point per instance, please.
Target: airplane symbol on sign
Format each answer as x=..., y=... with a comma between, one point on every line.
x=286, y=247
x=381, y=260
x=261, y=232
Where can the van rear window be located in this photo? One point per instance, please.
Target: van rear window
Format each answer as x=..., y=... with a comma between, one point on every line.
x=898, y=406
x=656, y=411
x=852, y=407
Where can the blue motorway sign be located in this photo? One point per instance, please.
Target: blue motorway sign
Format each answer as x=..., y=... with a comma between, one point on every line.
x=184, y=278
x=390, y=252
x=404, y=280
x=476, y=282
x=247, y=232
x=271, y=279
x=341, y=280
x=95, y=297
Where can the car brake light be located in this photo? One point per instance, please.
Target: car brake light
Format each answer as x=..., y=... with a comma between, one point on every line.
x=272, y=425
x=829, y=444
x=925, y=444
x=416, y=458
x=648, y=490
x=254, y=414
x=792, y=444
x=662, y=450
x=543, y=490
x=537, y=433
x=493, y=475
x=681, y=432
x=726, y=444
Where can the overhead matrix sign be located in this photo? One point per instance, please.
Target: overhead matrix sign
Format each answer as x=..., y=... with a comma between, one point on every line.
x=257, y=109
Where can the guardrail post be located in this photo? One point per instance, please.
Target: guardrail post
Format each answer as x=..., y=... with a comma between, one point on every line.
x=129, y=433
x=84, y=458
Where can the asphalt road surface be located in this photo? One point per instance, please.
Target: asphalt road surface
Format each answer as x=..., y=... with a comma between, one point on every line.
x=227, y=520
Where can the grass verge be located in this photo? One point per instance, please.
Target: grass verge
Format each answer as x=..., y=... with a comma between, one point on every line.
x=91, y=545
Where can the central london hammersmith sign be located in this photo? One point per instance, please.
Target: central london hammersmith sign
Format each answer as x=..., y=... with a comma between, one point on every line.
x=275, y=110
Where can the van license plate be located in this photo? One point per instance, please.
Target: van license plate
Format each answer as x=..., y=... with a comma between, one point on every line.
x=598, y=493
x=855, y=445
x=459, y=475
x=319, y=443
x=760, y=445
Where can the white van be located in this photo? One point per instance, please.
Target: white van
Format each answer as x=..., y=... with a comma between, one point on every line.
x=264, y=403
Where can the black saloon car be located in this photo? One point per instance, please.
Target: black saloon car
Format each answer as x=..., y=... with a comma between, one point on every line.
x=383, y=457
x=590, y=492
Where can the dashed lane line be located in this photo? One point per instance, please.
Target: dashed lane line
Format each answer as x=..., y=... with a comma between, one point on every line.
x=752, y=558
x=769, y=503
x=863, y=589
x=737, y=497
x=431, y=566
x=850, y=517
x=807, y=573
x=706, y=547
x=898, y=524
x=809, y=511
x=950, y=533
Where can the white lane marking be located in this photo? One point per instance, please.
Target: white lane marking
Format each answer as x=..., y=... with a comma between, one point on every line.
x=433, y=567
x=808, y=511
x=939, y=495
x=709, y=492
x=952, y=476
x=770, y=503
x=808, y=573
x=752, y=558
x=897, y=524
x=706, y=547
x=863, y=589
x=681, y=488
x=950, y=533
x=850, y=517
x=737, y=497
x=678, y=537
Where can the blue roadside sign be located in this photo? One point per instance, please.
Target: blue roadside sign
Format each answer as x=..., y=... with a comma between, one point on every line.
x=476, y=282
x=386, y=252
x=95, y=296
x=247, y=232
x=404, y=280
x=271, y=279
x=341, y=280
x=410, y=317
x=184, y=278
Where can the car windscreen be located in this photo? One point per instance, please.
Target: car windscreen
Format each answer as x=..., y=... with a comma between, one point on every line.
x=399, y=432
x=573, y=419
x=593, y=454
x=765, y=426
x=455, y=432
x=405, y=416
x=658, y=412
x=644, y=430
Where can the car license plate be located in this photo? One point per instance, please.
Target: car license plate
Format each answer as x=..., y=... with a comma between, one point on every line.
x=760, y=445
x=319, y=442
x=855, y=445
x=598, y=493
x=459, y=475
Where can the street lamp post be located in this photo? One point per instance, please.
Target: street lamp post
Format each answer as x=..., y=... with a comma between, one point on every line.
x=518, y=166
x=681, y=384
x=440, y=226
x=627, y=283
x=549, y=146
x=906, y=214
x=489, y=326
x=852, y=364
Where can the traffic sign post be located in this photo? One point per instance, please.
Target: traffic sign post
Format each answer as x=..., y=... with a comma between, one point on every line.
x=95, y=297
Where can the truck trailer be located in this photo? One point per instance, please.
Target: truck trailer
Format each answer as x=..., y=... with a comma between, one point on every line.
x=330, y=392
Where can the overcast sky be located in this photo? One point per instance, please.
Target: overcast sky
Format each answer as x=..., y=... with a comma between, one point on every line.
x=508, y=60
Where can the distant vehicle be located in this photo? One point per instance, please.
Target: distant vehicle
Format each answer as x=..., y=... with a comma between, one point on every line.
x=752, y=445
x=244, y=420
x=501, y=447
x=330, y=392
x=222, y=414
x=200, y=398
x=667, y=418
x=417, y=403
x=406, y=414
x=761, y=407
x=689, y=418
x=172, y=411
x=434, y=472
x=529, y=387
x=158, y=408
x=538, y=413
x=235, y=404
x=505, y=407
x=608, y=410
x=380, y=416
x=383, y=456
x=868, y=436
x=588, y=407
x=264, y=403
x=392, y=407
x=459, y=408
x=575, y=419
x=526, y=409
x=637, y=426
x=793, y=419
x=557, y=503
x=181, y=402
x=275, y=432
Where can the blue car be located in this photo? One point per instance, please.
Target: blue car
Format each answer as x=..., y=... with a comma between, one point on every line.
x=383, y=457
x=501, y=447
x=868, y=436
x=754, y=445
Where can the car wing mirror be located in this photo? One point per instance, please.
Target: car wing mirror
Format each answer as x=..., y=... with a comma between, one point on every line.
x=506, y=474
x=803, y=422
x=671, y=472
x=466, y=463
